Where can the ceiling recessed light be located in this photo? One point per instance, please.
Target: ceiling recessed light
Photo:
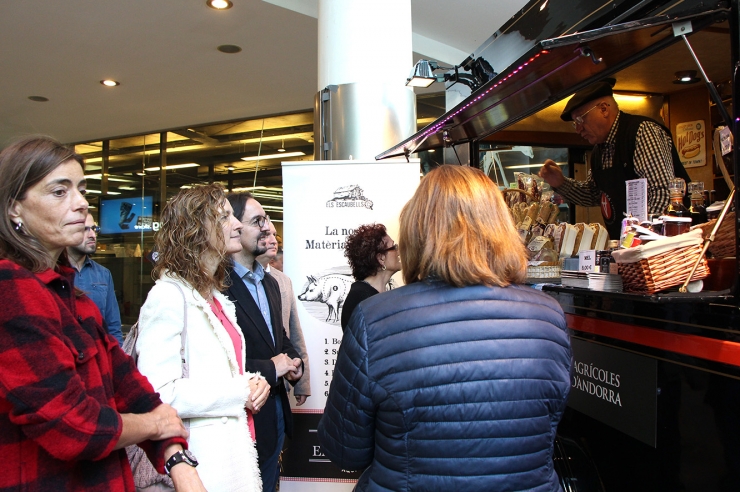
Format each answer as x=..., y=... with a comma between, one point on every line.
x=229, y=48
x=230, y=168
x=686, y=77
x=110, y=82
x=39, y=99
x=219, y=4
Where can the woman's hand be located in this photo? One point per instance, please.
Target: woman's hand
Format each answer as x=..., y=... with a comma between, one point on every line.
x=259, y=390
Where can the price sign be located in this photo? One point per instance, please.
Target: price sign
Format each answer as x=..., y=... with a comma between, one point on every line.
x=587, y=261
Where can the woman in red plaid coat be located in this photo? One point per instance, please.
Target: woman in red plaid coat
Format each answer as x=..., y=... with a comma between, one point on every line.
x=70, y=399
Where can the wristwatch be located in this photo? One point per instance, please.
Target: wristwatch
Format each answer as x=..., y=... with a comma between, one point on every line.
x=183, y=456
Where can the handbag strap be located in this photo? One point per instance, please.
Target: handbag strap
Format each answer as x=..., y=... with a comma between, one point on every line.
x=129, y=344
x=184, y=332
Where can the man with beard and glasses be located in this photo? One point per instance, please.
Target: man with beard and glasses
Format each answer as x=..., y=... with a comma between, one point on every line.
x=302, y=388
x=268, y=348
x=96, y=280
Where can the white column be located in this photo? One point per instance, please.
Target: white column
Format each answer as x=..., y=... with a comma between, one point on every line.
x=364, y=40
x=365, y=49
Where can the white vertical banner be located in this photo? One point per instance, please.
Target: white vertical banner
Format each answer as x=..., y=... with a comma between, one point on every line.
x=323, y=202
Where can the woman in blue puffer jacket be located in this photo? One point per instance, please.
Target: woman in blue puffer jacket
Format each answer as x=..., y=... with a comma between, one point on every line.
x=456, y=381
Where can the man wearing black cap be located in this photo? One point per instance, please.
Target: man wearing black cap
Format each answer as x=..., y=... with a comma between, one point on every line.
x=626, y=147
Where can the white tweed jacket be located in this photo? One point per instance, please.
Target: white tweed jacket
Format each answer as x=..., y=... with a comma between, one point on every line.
x=213, y=395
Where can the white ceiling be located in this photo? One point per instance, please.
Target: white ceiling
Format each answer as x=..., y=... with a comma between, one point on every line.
x=164, y=54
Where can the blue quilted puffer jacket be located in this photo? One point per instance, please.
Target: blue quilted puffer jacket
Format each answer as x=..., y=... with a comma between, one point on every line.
x=439, y=388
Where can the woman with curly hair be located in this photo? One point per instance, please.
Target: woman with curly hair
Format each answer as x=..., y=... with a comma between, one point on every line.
x=374, y=258
x=198, y=234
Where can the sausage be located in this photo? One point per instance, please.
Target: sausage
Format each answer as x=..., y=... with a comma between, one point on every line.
x=691, y=151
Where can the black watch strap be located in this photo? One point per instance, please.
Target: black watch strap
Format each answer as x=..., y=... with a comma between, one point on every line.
x=183, y=456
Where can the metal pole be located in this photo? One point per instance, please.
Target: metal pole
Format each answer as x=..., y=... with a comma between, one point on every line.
x=104, y=170
x=162, y=168
x=709, y=240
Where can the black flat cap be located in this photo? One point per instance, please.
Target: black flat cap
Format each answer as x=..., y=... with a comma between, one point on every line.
x=591, y=93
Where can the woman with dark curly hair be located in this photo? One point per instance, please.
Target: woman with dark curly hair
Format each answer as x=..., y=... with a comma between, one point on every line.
x=374, y=258
x=198, y=234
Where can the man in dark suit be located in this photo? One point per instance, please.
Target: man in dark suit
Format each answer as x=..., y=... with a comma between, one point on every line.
x=268, y=348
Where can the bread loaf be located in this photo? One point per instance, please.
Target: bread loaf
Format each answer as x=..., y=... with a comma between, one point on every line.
x=585, y=237
x=577, y=240
x=601, y=237
x=568, y=243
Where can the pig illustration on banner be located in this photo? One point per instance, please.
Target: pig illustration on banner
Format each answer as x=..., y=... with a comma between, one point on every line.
x=330, y=289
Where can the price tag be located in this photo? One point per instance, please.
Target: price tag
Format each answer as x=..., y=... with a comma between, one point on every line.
x=725, y=139
x=587, y=261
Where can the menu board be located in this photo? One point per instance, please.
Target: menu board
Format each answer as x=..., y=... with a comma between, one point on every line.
x=637, y=199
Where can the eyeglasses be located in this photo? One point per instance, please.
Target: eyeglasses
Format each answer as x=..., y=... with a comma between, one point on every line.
x=578, y=120
x=392, y=248
x=95, y=229
x=258, y=221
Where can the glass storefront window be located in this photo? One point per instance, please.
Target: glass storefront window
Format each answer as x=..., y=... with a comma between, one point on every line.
x=127, y=188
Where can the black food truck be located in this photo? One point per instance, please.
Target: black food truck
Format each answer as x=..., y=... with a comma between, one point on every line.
x=655, y=397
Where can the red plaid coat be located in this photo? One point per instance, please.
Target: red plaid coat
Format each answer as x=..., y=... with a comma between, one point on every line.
x=63, y=384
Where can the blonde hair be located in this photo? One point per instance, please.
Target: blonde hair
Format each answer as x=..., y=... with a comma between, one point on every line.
x=184, y=238
x=457, y=228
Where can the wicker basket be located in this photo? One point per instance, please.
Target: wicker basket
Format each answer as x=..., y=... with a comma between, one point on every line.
x=662, y=271
x=723, y=245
